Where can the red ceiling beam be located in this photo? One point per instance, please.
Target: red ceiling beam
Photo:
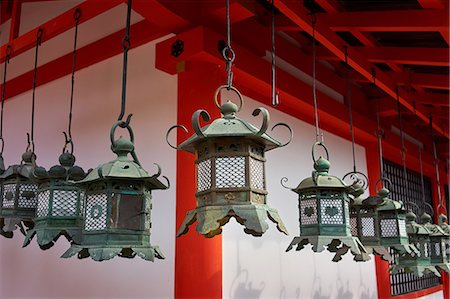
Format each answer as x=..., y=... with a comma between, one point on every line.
x=15, y=20
x=436, y=81
x=58, y=25
x=428, y=98
x=141, y=33
x=394, y=21
x=299, y=15
x=437, y=4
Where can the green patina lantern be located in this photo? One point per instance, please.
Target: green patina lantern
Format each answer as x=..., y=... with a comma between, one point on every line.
x=438, y=242
x=230, y=171
x=59, y=203
x=392, y=224
x=364, y=222
x=117, y=207
x=324, y=212
x=18, y=194
x=442, y=222
x=418, y=263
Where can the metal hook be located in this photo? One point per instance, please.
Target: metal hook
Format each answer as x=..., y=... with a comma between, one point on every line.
x=68, y=141
x=319, y=143
x=77, y=14
x=39, y=34
x=266, y=118
x=170, y=130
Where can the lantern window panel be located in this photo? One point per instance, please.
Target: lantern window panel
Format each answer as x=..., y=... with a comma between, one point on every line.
x=96, y=210
x=43, y=203
x=27, y=196
x=437, y=249
x=64, y=203
x=82, y=200
x=257, y=174
x=127, y=211
x=308, y=212
x=9, y=191
x=347, y=212
x=354, y=226
x=230, y=172
x=368, y=227
x=402, y=228
x=389, y=228
x=331, y=210
x=204, y=175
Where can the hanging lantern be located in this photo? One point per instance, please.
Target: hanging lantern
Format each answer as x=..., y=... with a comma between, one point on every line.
x=442, y=222
x=418, y=263
x=364, y=225
x=392, y=223
x=117, y=207
x=438, y=238
x=59, y=204
x=231, y=179
x=324, y=212
x=18, y=194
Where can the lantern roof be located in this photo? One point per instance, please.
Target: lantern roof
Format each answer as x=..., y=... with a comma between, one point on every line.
x=435, y=230
x=65, y=170
x=25, y=169
x=415, y=228
x=122, y=168
x=389, y=204
x=229, y=125
x=320, y=178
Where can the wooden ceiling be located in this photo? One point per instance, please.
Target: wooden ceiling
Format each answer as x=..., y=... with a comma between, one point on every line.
x=391, y=44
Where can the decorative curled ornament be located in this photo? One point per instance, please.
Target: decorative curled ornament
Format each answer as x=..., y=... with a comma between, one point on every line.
x=231, y=180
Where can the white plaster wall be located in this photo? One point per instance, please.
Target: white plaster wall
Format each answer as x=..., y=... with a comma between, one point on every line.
x=260, y=267
x=437, y=295
x=32, y=273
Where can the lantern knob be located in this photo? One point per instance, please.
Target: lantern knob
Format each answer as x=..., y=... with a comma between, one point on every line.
x=425, y=218
x=384, y=192
x=229, y=109
x=122, y=147
x=442, y=219
x=322, y=165
x=28, y=157
x=410, y=216
x=67, y=159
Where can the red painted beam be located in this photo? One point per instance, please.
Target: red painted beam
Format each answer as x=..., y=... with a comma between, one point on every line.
x=58, y=25
x=437, y=81
x=389, y=21
x=15, y=20
x=435, y=99
x=100, y=50
x=401, y=55
x=299, y=15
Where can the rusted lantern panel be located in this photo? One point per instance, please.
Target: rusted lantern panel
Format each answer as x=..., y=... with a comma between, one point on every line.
x=230, y=172
x=60, y=204
x=117, y=208
x=18, y=194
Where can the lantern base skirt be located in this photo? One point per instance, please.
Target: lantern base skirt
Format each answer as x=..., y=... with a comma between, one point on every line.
x=332, y=242
x=417, y=270
x=46, y=237
x=212, y=218
x=107, y=252
x=10, y=224
x=375, y=250
x=3, y=233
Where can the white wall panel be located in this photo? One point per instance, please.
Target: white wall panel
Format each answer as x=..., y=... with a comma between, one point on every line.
x=260, y=267
x=32, y=273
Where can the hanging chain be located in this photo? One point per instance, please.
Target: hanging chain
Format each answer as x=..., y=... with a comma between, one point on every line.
x=421, y=174
x=402, y=139
x=436, y=164
x=227, y=52
x=275, y=99
x=38, y=43
x=380, y=133
x=8, y=55
x=316, y=114
x=349, y=104
x=68, y=137
x=126, y=46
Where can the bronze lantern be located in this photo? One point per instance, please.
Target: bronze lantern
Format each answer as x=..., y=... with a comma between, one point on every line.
x=59, y=203
x=230, y=171
x=419, y=262
x=439, y=238
x=117, y=207
x=324, y=212
x=18, y=194
x=442, y=222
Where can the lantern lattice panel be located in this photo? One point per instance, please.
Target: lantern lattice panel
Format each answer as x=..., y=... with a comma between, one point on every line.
x=43, y=203
x=257, y=174
x=354, y=226
x=368, y=226
x=27, y=196
x=388, y=228
x=64, y=203
x=230, y=172
x=96, y=212
x=401, y=282
x=8, y=202
x=204, y=175
x=308, y=212
x=331, y=211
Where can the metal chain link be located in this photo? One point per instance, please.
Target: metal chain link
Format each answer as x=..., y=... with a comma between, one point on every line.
x=227, y=52
x=275, y=98
x=8, y=55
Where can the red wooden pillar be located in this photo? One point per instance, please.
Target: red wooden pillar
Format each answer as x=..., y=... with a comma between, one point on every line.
x=198, y=260
x=373, y=173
